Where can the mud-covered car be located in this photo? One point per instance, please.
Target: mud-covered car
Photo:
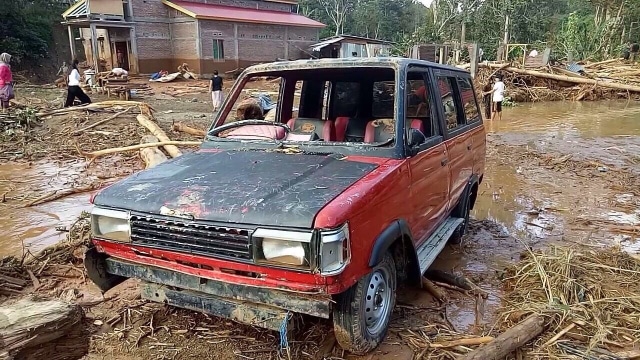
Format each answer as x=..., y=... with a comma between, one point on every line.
x=369, y=169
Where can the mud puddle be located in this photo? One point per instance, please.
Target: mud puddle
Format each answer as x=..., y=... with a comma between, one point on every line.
x=34, y=228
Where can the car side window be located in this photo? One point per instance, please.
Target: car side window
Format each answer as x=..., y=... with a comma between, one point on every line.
x=450, y=108
x=469, y=103
x=418, y=106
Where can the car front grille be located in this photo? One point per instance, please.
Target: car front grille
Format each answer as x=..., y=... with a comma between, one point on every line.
x=191, y=237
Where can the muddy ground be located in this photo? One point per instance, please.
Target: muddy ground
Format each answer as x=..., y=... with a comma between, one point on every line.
x=556, y=173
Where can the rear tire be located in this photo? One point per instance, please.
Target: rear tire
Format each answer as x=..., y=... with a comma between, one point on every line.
x=361, y=314
x=462, y=211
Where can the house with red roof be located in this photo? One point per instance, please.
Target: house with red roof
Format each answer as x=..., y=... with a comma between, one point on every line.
x=146, y=36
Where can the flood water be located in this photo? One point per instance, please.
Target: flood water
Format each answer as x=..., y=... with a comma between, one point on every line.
x=512, y=195
x=33, y=228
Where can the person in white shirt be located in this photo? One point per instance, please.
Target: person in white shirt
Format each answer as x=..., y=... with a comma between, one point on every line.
x=74, y=90
x=498, y=96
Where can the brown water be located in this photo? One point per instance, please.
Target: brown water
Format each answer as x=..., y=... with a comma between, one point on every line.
x=37, y=227
x=605, y=132
x=536, y=206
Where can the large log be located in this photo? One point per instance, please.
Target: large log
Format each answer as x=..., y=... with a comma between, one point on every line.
x=145, y=121
x=510, y=340
x=151, y=156
x=574, y=80
x=50, y=330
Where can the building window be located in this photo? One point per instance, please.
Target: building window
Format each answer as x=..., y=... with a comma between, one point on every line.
x=218, y=49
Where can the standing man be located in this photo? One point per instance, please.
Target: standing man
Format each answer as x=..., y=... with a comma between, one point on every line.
x=216, y=91
x=498, y=96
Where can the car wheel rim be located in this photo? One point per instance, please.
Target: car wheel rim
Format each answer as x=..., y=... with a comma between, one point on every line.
x=378, y=302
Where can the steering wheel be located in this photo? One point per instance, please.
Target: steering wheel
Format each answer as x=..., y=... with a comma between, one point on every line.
x=240, y=123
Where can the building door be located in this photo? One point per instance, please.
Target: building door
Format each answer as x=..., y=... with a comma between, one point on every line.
x=122, y=55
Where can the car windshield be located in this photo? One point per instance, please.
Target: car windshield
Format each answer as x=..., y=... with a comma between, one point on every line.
x=341, y=106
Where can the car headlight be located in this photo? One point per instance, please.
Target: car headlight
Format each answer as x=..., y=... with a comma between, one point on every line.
x=110, y=225
x=335, y=250
x=286, y=248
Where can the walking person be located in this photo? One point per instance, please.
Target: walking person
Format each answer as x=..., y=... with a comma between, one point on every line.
x=215, y=87
x=6, y=82
x=74, y=90
x=497, y=97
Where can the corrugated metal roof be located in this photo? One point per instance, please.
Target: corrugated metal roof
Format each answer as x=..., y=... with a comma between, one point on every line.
x=78, y=9
x=238, y=14
x=321, y=44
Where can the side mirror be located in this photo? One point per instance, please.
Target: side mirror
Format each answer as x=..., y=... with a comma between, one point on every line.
x=416, y=138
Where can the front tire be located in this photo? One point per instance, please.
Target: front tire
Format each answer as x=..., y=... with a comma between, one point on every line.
x=362, y=314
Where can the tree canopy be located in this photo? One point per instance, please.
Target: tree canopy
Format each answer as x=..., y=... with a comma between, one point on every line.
x=27, y=27
x=579, y=28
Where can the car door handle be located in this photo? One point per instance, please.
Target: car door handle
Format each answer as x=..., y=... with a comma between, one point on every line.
x=444, y=162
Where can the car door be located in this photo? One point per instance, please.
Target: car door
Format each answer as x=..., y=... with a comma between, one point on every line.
x=428, y=163
x=474, y=123
x=458, y=140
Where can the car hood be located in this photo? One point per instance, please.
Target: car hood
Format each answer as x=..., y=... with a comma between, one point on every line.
x=242, y=187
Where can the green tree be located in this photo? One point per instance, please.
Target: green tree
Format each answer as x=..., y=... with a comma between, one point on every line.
x=26, y=28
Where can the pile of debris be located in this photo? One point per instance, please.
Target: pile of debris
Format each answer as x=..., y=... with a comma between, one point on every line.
x=560, y=303
x=611, y=79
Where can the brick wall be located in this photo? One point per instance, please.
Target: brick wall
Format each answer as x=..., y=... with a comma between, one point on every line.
x=303, y=34
x=210, y=30
x=149, y=9
x=183, y=40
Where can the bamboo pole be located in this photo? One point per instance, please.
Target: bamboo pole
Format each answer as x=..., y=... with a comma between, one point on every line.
x=102, y=121
x=99, y=153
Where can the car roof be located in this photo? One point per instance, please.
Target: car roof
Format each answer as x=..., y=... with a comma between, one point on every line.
x=389, y=62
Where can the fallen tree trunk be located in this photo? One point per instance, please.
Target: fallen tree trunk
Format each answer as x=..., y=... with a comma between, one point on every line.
x=510, y=340
x=145, y=121
x=189, y=130
x=95, y=154
x=569, y=79
x=151, y=156
x=50, y=330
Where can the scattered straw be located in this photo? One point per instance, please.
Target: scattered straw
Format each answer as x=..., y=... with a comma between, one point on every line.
x=596, y=290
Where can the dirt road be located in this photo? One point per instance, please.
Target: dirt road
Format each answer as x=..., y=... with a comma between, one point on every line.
x=556, y=173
